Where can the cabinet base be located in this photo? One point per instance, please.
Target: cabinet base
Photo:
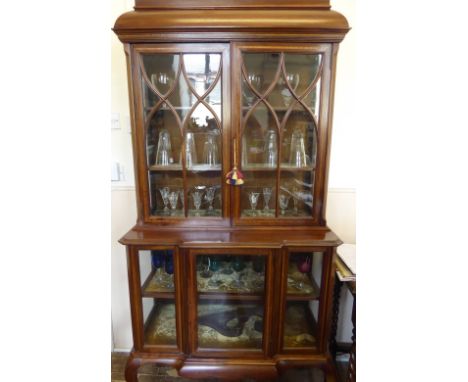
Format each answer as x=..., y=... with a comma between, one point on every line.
x=229, y=369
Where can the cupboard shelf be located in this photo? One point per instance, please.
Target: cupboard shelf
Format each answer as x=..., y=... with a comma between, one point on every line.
x=230, y=296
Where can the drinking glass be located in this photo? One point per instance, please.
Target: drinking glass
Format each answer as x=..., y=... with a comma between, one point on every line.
x=173, y=198
x=206, y=273
x=164, y=150
x=283, y=202
x=253, y=199
x=169, y=268
x=190, y=152
x=238, y=265
x=210, y=151
x=157, y=259
x=255, y=80
x=267, y=191
x=304, y=266
x=297, y=155
x=271, y=148
x=209, y=197
x=197, y=199
x=164, y=191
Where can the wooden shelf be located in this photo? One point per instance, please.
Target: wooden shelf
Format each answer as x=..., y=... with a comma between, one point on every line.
x=283, y=167
x=178, y=167
x=223, y=296
x=171, y=167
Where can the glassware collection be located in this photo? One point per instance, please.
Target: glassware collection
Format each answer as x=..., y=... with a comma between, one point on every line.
x=268, y=147
x=172, y=198
x=231, y=273
x=207, y=194
x=210, y=160
x=163, y=263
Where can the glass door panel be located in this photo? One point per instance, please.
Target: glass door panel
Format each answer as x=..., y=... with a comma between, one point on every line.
x=158, y=297
x=304, y=275
x=231, y=300
x=280, y=94
x=182, y=112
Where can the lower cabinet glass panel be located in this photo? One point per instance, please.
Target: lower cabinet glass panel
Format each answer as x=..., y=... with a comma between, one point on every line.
x=158, y=297
x=300, y=324
x=230, y=301
x=160, y=322
x=302, y=299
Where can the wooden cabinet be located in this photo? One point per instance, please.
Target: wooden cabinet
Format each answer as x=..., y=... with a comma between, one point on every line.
x=231, y=281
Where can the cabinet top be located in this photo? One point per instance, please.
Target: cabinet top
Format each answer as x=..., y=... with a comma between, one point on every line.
x=231, y=238
x=231, y=4
x=154, y=25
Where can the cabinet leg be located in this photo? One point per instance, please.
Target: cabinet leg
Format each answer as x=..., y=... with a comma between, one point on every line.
x=131, y=369
x=330, y=372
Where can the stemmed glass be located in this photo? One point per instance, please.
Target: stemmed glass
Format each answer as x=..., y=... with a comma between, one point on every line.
x=157, y=259
x=267, y=191
x=197, y=199
x=173, y=198
x=283, y=202
x=253, y=199
x=165, y=197
x=209, y=197
x=169, y=268
x=304, y=266
x=238, y=265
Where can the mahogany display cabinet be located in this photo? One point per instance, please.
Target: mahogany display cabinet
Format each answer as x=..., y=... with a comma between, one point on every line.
x=231, y=262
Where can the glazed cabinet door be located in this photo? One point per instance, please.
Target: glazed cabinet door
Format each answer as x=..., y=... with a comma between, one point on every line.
x=280, y=115
x=181, y=114
x=230, y=305
x=306, y=292
x=155, y=297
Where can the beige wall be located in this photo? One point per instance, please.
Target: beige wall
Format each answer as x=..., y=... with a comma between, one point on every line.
x=341, y=198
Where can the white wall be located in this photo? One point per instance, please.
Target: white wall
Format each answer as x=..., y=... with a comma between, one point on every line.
x=341, y=198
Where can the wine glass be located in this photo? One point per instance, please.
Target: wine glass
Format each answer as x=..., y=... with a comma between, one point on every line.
x=197, y=199
x=283, y=202
x=209, y=197
x=238, y=265
x=164, y=191
x=173, y=198
x=157, y=259
x=206, y=273
x=304, y=266
x=267, y=191
x=169, y=268
x=253, y=199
